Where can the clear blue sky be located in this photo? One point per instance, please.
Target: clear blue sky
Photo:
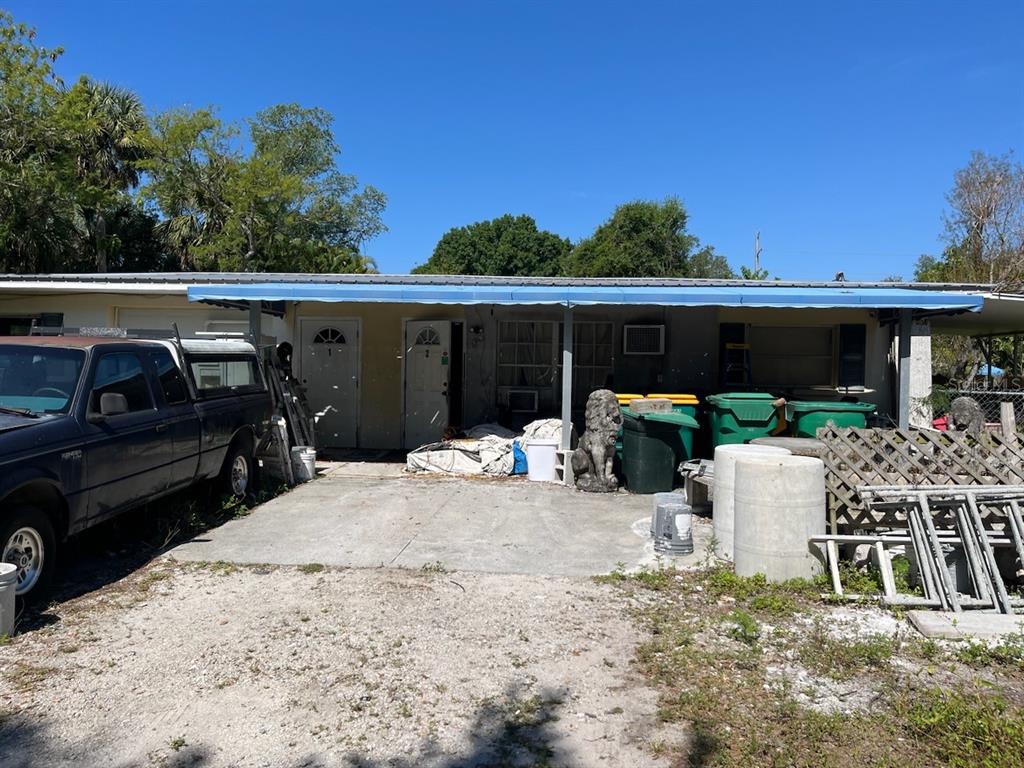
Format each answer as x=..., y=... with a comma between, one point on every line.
x=834, y=128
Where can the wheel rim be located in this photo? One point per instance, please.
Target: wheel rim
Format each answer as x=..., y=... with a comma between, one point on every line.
x=25, y=550
x=239, y=476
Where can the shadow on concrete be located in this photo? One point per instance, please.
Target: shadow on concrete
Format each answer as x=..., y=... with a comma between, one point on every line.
x=513, y=730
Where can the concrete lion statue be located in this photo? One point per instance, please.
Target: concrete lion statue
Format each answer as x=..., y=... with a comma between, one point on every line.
x=593, y=457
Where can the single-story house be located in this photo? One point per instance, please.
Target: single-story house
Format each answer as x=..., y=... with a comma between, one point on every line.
x=390, y=361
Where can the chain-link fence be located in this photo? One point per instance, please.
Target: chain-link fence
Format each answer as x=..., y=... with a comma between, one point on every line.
x=990, y=399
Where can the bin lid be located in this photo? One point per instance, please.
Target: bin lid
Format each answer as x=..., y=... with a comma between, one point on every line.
x=621, y=397
x=806, y=406
x=726, y=396
x=671, y=417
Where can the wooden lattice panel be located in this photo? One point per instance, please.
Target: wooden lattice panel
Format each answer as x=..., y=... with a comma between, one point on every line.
x=856, y=457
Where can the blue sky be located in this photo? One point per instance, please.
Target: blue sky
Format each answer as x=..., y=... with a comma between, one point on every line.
x=833, y=128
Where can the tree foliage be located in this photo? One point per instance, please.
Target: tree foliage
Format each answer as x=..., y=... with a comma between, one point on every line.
x=984, y=225
x=38, y=205
x=984, y=234
x=508, y=245
x=72, y=161
x=283, y=206
x=645, y=239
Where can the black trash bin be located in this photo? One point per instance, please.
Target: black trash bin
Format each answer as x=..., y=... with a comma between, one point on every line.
x=652, y=448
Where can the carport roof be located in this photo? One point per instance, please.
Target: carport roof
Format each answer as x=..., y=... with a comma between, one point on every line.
x=591, y=293
x=929, y=298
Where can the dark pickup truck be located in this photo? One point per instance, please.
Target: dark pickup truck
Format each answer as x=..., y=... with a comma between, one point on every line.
x=92, y=427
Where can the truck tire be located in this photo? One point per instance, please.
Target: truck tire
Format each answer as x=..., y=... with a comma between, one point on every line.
x=27, y=541
x=238, y=478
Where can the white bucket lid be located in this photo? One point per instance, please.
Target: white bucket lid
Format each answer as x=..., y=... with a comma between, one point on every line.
x=543, y=441
x=8, y=574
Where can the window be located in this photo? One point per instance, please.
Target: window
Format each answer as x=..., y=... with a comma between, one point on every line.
x=428, y=337
x=224, y=374
x=41, y=379
x=171, y=381
x=121, y=373
x=329, y=336
x=791, y=356
x=852, y=355
x=592, y=359
x=527, y=354
x=530, y=357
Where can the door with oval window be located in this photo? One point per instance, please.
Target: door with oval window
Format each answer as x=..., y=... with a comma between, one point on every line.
x=426, y=380
x=330, y=374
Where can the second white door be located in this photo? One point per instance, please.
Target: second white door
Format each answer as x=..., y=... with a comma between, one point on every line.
x=427, y=363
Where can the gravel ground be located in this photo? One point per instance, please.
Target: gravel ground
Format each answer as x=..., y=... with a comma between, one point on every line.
x=218, y=665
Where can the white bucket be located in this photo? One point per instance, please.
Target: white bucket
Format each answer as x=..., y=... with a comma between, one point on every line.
x=541, y=458
x=303, y=463
x=8, y=583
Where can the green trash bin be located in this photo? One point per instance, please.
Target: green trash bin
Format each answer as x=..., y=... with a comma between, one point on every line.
x=807, y=417
x=652, y=447
x=739, y=417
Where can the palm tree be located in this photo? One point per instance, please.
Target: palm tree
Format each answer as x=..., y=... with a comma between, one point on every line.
x=113, y=136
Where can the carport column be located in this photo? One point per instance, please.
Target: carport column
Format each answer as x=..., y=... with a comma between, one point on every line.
x=906, y=318
x=567, y=386
x=255, y=322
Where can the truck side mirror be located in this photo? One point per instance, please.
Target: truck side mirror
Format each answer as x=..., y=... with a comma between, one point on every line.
x=113, y=404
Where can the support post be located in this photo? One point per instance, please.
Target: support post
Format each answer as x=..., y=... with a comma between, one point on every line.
x=567, y=380
x=1008, y=421
x=255, y=322
x=906, y=318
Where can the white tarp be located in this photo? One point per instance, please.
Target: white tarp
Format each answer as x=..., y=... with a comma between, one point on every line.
x=490, y=455
x=487, y=450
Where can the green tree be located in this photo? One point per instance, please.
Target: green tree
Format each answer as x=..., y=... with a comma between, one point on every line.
x=39, y=215
x=108, y=131
x=645, y=239
x=507, y=245
x=749, y=273
x=283, y=205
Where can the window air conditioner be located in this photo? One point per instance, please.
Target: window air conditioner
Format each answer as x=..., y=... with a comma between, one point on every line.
x=643, y=339
x=522, y=401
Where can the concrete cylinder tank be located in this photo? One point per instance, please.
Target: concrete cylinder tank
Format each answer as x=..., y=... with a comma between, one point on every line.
x=779, y=504
x=722, y=507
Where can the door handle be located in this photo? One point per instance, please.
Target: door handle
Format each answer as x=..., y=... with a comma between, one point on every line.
x=160, y=428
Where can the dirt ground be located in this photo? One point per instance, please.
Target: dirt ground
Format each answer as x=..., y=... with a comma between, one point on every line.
x=213, y=664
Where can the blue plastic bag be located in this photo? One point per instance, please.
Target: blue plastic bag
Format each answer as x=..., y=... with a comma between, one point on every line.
x=518, y=459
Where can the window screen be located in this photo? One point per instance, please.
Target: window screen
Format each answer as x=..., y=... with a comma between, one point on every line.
x=121, y=373
x=171, y=380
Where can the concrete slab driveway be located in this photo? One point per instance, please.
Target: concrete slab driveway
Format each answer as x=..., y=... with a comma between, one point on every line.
x=507, y=525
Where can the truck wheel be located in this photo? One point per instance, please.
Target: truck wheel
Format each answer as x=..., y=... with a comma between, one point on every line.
x=239, y=475
x=27, y=541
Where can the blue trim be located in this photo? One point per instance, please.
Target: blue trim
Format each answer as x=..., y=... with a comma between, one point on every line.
x=683, y=296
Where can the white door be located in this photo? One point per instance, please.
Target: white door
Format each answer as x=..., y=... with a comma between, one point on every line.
x=426, y=380
x=330, y=373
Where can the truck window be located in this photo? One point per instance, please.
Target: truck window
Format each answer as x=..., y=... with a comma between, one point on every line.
x=121, y=372
x=224, y=374
x=171, y=381
x=41, y=379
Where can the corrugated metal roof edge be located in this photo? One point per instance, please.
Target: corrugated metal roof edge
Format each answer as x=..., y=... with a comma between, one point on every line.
x=214, y=278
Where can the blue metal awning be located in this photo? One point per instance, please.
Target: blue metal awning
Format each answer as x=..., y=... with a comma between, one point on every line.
x=593, y=295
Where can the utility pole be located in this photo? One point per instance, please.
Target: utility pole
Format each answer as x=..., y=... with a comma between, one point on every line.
x=757, y=252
